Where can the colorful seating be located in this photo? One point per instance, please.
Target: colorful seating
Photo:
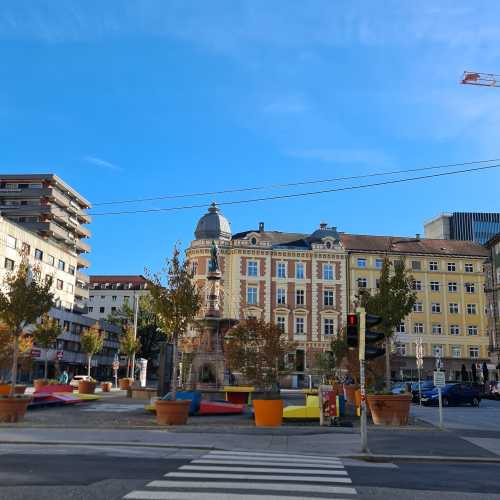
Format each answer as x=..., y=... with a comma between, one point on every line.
x=310, y=410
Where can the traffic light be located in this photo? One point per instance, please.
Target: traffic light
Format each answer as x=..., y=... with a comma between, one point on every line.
x=372, y=351
x=352, y=330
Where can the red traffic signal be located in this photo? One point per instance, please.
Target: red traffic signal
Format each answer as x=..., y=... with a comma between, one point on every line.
x=352, y=330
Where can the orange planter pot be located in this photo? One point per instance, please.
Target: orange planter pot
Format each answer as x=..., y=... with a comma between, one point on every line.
x=125, y=383
x=389, y=409
x=172, y=412
x=106, y=386
x=86, y=387
x=268, y=412
x=13, y=409
x=5, y=389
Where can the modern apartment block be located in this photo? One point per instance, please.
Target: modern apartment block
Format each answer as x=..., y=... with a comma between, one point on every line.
x=471, y=226
x=449, y=314
x=44, y=204
x=493, y=296
x=296, y=280
x=108, y=294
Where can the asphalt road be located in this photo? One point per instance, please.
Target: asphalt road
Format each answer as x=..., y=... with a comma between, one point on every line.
x=33, y=472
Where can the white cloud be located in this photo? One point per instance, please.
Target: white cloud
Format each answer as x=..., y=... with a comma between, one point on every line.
x=99, y=162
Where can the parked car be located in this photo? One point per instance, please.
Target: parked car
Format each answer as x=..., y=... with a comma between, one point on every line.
x=76, y=380
x=400, y=387
x=425, y=385
x=453, y=394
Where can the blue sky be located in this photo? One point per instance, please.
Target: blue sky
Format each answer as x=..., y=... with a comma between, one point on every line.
x=127, y=99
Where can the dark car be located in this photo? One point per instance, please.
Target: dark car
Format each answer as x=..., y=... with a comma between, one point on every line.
x=453, y=394
x=426, y=385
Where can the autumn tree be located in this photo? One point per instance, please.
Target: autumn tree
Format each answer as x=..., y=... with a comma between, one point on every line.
x=129, y=345
x=392, y=301
x=45, y=335
x=23, y=300
x=92, y=342
x=176, y=301
x=328, y=363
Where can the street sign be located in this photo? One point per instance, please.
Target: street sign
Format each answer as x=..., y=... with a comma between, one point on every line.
x=439, y=379
x=36, y=353
x=60, y=355
x=116, y=365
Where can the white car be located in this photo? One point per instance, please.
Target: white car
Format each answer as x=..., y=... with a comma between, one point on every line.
x=76, y=380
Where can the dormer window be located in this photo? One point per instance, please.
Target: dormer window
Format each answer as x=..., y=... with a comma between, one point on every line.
x=253, y=241
x=328, y=245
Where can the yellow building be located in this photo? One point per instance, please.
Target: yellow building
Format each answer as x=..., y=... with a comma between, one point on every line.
x=449, y=314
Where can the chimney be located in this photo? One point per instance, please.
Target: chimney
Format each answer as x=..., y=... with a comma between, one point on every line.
x=261, y=227
x=323, y=225
x=417, y=236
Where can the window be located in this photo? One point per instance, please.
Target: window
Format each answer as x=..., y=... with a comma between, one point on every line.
x=113, y=298
x=436, y=307
x=71, y=270
x=453, y=308
x=401, y=349
x=11, y=242
x=474, y=351
x=452, y=286
x=194, y=267
x=328, y=326
x=437, y=350
x=379, y=263
x=102, y=309
x=299, y=325
x=103, y=297
x=401, y=328
x=418, y=328
x=434, y=286
x=452, y=267
x=59, y=284
x=25, y=248
x=469, y=268
x=470, y=287
x=362, y=283
x=50, y=260
x=472, y=330
x=113, y=309
x=328, y=297
x=90, y=309
x=252, y=268
x=418, y=307
x=253, y=241
x=299, y=297
x=416, y=265
x=433, y=266
x=416, y=285
x=91, y=298
x=281, y=270
x=9, y=264
x=436, y=329
x=251, y=295
x=61, y=265
x=280, y=322
x=299, y=270
x=456, y=351
x=281, y=296
x=361, y=262
x=454, y=330
x=38, y=254
x=471, y=308
x=327, y=271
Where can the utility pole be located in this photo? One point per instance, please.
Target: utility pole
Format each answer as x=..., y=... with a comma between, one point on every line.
x=136, y=313
x=363, y=424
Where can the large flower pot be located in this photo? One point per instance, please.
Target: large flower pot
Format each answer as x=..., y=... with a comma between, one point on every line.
x=172, y=412
x=389, y=409
x=5, y=389
x=125, y=383
x=106, y=386
x=86, y=387
x=38, y=383
x=13, y=409
x=268, y=412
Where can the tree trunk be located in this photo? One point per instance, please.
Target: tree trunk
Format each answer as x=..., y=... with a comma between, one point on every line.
x=46, y=370
x=14, y=366
x=173, y=383
x=387, y=364
x=128, y=366
x=89, y=361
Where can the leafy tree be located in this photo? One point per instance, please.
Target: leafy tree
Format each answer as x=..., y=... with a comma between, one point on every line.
x=176, y=301
x=393, y=301
x=92, y=341
x=257, y=349
x=45, y=335
x=328, y=363
x=129, y=345
x=23, y=300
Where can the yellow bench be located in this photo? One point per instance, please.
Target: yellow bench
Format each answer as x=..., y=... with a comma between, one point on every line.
x=310, y=410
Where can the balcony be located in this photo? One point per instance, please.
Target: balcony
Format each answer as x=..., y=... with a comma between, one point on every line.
x=82, y=231
x=82, y=262
x=81, y=246
x=79, y=307
x=25, y=193
x=82, y=277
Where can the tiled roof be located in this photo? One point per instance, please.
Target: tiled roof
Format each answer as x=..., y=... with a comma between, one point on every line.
x=405, y=245
x=125, y=278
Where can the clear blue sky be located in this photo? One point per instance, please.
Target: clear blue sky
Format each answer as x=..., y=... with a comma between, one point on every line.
x=127, y=98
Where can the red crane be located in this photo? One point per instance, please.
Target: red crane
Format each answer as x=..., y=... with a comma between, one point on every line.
x=483, y=79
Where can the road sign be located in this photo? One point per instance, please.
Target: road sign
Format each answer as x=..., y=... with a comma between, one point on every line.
x=60, y=355
x=36, y=353
x=439, y=379
x=116, y=365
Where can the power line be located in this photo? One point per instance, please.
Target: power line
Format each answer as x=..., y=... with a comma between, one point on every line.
x=291, y=184
x=299, y=195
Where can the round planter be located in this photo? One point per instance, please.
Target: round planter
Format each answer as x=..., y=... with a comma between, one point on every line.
x=268, y=412
x=38, y=383
x=389, y=409
x=13, y=409
x=5, y=389
x=172, y=412
x=106, y=386
x=86, y=387
x=125, y=383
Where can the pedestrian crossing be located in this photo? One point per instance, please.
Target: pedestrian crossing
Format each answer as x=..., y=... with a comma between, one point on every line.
x=232, y=475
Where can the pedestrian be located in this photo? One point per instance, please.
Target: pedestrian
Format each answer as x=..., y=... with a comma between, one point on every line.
x=64, y=377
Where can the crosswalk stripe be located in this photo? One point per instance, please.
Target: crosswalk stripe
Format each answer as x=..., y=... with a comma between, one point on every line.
x=195, y=495
x=223, y=468
x=328, y=461
x=270, y=454
x=270, y=477
x=229, y=461
x=307, y=488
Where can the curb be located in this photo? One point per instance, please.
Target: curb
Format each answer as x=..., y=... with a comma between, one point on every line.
x=369, y=457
